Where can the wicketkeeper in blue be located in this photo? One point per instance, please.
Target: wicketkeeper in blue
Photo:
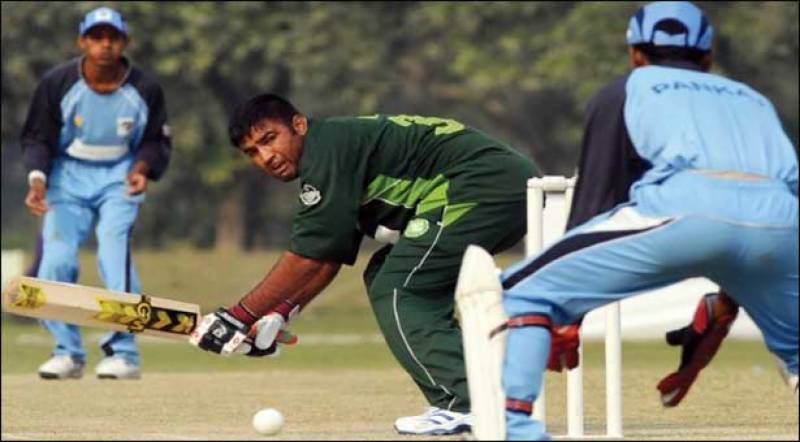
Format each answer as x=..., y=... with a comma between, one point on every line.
x=94, y=136
x=704, y=184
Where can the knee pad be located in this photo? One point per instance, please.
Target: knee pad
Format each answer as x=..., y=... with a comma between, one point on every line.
x=564, y=343
x=519, y=406
x=514, y=405
x=525, y=320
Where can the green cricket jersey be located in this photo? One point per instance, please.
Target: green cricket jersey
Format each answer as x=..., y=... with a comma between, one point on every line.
x=370, y=175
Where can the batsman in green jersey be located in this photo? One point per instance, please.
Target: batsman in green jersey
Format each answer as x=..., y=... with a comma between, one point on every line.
x=425, y=186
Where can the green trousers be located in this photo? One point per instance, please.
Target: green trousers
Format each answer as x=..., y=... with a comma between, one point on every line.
x=411, y=284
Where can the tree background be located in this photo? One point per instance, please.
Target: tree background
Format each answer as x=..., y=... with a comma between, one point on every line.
x=522, y=71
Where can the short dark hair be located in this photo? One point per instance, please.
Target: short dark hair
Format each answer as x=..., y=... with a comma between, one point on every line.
x=257, y=109
x=661, y=54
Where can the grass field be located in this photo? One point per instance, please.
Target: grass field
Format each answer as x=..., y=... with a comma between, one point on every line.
x=340, y=382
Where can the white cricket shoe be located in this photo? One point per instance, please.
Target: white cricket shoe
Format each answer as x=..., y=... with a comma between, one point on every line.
x=61, y=367
x=790, y=379
x=115, y=367
x=435, y=421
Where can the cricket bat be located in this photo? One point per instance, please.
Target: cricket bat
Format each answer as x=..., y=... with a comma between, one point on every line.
x=97, y=307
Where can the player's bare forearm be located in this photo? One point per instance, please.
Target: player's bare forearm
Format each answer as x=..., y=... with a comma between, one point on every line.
x=294, y=278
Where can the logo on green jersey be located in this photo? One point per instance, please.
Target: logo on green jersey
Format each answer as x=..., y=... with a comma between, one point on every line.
x=416, y=228
x=309, y=195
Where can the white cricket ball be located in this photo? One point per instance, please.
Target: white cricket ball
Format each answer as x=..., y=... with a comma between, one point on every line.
x=268, y=421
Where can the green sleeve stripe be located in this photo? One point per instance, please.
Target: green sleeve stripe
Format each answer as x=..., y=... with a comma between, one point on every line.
x=425, y=193
x=456, y=211
x=380, y=185
x=434, y=199
x=406, y=193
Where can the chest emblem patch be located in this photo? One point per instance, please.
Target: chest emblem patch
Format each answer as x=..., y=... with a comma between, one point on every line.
x=124, y=126
x=78, y=121
x=309, y=195
x=416, y=228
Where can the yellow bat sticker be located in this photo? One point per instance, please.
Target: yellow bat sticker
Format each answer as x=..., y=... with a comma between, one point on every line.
x=142, y=315
x=28, y=296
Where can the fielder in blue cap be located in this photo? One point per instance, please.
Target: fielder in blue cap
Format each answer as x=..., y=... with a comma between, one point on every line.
x=683, y=173
x=96, y=134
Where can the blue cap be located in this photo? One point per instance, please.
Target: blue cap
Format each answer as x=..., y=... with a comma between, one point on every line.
x=679, y=24
x=103, y=16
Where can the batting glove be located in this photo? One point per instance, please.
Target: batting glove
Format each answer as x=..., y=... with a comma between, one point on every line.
x=268, y=332
x=700, y=341
x=219, y=332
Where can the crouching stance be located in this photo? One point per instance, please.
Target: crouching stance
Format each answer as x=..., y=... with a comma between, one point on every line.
x=425, y=186
x=712, y=183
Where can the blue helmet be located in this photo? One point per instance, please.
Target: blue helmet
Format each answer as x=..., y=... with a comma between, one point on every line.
x=678, y=24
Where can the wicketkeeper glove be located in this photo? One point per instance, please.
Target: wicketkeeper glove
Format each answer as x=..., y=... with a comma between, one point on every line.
x=564, y=343
x=700, y=341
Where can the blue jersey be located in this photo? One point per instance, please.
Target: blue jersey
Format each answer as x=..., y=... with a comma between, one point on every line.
x=682, y=119
x=659, y=120
x=68, y=119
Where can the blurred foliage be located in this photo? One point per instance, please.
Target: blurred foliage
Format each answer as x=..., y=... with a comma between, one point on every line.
x=522, y=71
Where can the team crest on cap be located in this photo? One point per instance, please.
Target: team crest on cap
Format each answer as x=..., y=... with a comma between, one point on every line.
x=309, y=195
x=102, y=14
